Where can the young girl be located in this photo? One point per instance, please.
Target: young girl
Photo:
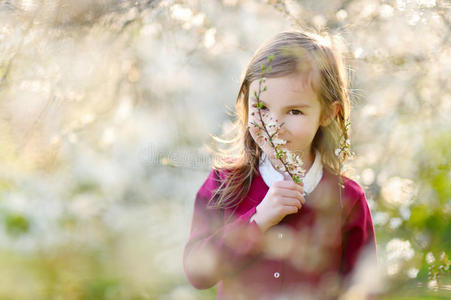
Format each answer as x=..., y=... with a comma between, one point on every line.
x=256, y=232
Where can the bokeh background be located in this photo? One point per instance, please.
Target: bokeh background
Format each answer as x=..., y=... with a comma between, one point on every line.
x=107, y=108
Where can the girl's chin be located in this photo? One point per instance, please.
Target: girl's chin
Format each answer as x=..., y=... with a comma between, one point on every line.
x=275, y=162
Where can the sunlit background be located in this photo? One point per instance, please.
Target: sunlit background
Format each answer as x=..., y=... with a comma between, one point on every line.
x=106, y=111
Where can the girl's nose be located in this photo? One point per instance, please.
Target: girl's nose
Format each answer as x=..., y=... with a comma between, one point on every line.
x=282, y=127
x=277, y=118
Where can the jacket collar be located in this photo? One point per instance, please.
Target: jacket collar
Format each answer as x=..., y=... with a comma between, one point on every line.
x=313, y=176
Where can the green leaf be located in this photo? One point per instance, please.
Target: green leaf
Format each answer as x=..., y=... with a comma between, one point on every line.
x=259, y=105
x=270, y=58
x=296, y=179
x=280, y=154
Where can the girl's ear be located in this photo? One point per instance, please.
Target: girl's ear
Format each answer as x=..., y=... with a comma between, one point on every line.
x=333, y=109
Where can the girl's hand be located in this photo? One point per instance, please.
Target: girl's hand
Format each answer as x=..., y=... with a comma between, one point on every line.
x=283, y=198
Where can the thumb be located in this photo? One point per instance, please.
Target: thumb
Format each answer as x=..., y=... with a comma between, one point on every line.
x=286, y=176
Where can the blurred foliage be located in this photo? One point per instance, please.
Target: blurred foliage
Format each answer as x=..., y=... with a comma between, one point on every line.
x=106, y=108
x=16, y=224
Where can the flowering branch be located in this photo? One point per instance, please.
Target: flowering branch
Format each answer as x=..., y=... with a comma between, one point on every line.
x=292, y=162
x=344, y=150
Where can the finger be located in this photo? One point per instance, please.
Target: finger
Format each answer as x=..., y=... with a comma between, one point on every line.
x=300, y=198
x=292, y=202
x=286, y=200
x=289, y=210
x=291, y=185
x=290, y=193
x=287, y=177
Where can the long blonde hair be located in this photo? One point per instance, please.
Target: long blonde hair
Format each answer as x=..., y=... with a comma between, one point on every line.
x=292, y=51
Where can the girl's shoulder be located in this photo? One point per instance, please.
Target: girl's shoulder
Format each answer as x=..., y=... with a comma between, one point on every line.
x=352, y=188
x=353, y=196
x=213, y=181
x=210, y=184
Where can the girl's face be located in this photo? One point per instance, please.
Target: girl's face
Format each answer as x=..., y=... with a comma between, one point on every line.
x=291, y=103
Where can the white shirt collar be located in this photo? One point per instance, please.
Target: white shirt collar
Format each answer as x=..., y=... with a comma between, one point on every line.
x=311, y=179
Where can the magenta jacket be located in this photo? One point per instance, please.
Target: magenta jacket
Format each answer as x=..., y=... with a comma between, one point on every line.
x=308, y=255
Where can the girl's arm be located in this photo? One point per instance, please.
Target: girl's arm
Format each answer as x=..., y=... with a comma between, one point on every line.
x=215, y=250
x=359, y=240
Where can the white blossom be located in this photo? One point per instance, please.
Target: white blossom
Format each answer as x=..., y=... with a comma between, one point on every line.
x=278, y=141
x=430, y=258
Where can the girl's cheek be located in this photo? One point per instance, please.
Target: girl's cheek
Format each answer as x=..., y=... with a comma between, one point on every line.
x=255, y=133
x=252, y=130
x=252, y=122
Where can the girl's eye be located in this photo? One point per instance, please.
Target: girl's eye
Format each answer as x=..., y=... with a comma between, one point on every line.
x=298, y=112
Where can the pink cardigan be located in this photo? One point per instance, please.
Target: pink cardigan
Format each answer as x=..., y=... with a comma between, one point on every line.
x=309, y=254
